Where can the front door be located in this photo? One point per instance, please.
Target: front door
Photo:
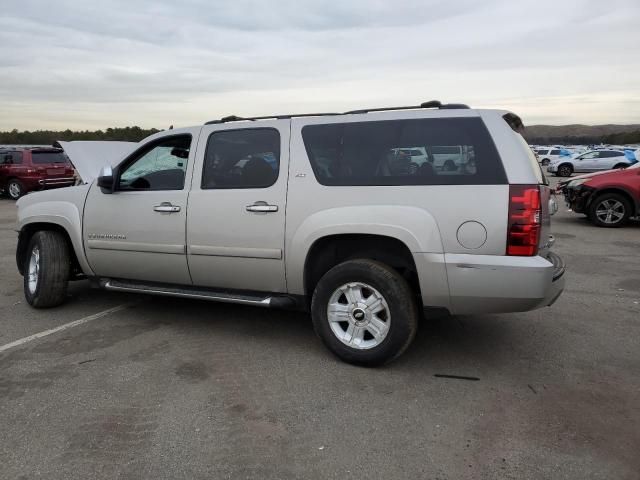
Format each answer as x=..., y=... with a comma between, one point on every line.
x=236, y=217
x=587, y=162
x=138, y=231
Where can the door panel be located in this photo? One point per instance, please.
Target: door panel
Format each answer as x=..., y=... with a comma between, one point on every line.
x=235, y=221
x=137, y=233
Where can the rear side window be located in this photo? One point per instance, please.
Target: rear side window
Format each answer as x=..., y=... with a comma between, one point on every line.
x=444, y=151
x=48, y=157
x=247, y=158
x=11, y=158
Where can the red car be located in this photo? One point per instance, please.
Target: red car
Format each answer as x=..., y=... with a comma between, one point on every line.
x=609, y=199
x=23, y=170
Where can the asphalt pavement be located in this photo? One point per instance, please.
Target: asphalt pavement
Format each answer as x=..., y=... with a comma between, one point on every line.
x=173, y=389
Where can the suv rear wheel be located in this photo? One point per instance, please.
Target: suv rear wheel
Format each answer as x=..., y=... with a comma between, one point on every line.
x=46, y=269
x=610, y=210
x=364, y=312
x=15, y=189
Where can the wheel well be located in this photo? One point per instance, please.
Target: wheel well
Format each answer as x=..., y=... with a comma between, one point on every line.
x=621, y=165
x=622, y=193
x=566, y=164
x=24, y=237
x=329, y=251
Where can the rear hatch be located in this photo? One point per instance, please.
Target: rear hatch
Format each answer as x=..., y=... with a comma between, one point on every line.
x=52, y=164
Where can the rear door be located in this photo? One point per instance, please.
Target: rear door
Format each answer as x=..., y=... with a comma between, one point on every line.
x=236, y=218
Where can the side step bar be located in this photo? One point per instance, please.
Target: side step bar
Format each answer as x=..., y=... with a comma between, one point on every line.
x=257, y=300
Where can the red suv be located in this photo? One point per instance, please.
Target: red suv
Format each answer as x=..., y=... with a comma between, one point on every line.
x=609, y=199
x=23, y=170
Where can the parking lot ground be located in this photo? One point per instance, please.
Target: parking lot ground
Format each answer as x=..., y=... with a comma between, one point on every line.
x=170, y=389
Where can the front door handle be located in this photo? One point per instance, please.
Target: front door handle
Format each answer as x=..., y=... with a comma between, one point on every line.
x=166, y=207
x=262, y=207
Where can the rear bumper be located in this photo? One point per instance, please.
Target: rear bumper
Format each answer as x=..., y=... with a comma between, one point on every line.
x=501, y=284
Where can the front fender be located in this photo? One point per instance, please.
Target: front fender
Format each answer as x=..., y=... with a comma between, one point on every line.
x=413, y=226
x=61, y=207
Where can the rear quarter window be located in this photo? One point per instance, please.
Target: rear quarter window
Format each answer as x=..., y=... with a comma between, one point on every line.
x=453, y=151
x=39, y=158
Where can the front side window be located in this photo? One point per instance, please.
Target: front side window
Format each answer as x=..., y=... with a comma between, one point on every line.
x=445, y=151
x=555, y=152
x=159, y=166
x=247, y=158
x=590, y=155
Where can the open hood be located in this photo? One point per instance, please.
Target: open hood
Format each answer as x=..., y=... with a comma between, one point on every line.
x=88, y=157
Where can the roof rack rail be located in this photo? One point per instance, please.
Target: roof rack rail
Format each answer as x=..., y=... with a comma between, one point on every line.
x=429, y=104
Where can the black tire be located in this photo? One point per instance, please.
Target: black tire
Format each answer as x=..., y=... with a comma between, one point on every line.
x=449, y=166
x=545, y=162
x=620, y=166
x=624, y=210
x=52, y=274
x=14, y=189
x=565, y=170
x=403, y=311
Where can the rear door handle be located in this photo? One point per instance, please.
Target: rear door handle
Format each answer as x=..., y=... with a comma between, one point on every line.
x=166, y=207
x=262, y=207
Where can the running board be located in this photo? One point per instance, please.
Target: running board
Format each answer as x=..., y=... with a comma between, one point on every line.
x=257, y=300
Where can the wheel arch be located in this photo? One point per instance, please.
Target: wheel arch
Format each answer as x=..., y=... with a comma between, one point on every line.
x=27, y=232
x=331, y=250
x=618, y=191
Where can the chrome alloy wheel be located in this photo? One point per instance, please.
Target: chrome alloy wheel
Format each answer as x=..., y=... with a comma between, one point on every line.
x=14, y=190
x=358, y=315
x=34, y=269
x=610, y=211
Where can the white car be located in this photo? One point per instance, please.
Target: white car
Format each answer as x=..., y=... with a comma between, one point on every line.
x=593, y=161
x=546, y=155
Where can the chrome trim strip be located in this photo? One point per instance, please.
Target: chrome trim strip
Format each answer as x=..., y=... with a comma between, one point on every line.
x=135, y=246
x=272, y=253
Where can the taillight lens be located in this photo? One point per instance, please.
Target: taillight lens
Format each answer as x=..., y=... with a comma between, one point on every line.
x=525, y=211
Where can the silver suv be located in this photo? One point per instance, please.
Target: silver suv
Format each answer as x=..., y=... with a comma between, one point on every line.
x=318, y=212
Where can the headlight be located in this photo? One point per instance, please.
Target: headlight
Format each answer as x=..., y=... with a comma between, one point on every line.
x=577, y=182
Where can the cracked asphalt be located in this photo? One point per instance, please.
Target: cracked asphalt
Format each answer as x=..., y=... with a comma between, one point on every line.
x=176, y=389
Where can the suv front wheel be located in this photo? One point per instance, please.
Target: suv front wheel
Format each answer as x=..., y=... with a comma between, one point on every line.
x=14, y=189
x=46, y=269
x=364, y=312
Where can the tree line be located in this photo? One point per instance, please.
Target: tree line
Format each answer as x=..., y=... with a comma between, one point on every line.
x=47, y=137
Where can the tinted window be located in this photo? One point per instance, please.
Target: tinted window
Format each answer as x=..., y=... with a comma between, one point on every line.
x=542, y=152
x=456, y=151
x=48, y=157
x=610, y=154
x=555, y=152
x=158, y=166
x=11, y=158
x=248, y=158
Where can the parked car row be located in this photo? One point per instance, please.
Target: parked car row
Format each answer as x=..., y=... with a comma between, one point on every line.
x=24, y=170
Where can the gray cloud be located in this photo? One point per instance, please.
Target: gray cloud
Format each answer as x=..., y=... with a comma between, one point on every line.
x=84, y=65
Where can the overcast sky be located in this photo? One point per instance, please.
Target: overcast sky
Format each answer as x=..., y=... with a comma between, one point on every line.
x=84, y=65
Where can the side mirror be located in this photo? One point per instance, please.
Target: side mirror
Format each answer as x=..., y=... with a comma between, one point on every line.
x=105, y=180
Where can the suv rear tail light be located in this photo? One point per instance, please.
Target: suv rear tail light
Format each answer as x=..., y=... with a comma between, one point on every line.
x=525, y=212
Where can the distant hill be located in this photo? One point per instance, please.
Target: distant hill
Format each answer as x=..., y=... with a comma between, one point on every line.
x=582, y=134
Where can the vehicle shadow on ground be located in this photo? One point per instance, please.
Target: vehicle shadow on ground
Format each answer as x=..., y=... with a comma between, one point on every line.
x=452, y=343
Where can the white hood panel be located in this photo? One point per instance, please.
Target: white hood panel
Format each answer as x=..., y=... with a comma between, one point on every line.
x=88, y=157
